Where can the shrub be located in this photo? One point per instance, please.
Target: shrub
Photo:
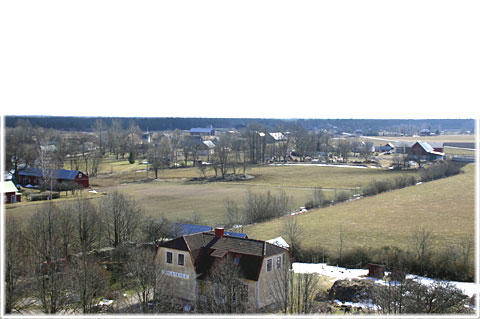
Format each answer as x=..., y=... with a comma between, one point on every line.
x=342, y=196
x=357, y=257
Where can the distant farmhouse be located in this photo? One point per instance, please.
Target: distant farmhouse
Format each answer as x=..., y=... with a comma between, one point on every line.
x=11, y=194
x=190, y=259
x=202, y=131
x=206, y=148
x=425, y=132
x=403, y=147
x=34, y=176
x=389, y=147
x=424, y=151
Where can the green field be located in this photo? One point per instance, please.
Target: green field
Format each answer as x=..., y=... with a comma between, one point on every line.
x=445, y=206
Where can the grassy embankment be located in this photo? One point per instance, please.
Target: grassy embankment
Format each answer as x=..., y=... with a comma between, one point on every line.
x=445, y=206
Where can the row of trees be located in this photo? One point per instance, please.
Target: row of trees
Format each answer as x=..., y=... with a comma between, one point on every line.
x=49, y=255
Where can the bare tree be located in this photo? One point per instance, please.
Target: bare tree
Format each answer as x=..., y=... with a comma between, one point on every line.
x=366, y=151
x=343, y=147
x=121, y=216
x=48, y=267
x=226, y=292
x=325, y=146
x=89, y=281
x=423, y=244
x=408, y=296
x=143, y=271
x=20, y=147
x=159, y=155
x=303, y=289
x=116, y=137
x=280, y=288
x=155, y=229
x=233, y=213
x=100, y=129
x=293, y=234
x=16, y=266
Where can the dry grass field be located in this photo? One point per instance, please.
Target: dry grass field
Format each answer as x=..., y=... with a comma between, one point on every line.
x=381, y=140
x=445, y=206
x=176, y=198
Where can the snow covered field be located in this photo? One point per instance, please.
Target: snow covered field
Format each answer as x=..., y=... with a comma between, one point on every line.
x=469, y=288
x=327, y=165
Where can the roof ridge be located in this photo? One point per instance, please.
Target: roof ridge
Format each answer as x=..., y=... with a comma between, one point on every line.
x=186, y=243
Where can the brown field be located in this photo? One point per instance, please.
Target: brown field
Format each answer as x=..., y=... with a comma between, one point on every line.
x=445, y=206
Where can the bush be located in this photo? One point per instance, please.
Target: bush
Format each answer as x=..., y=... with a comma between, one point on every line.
x=44, y=196
x=439, y=170
x=342, y=196
x=131, y=158
x=357, y=257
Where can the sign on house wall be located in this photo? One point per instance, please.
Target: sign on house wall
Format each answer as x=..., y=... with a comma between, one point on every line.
x=175, y=274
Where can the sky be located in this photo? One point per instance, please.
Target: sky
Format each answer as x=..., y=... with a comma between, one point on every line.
x=254, y=59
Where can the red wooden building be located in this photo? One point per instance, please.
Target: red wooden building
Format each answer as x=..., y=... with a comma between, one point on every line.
x=424, y=151
x=11, y=193
x=34, y=177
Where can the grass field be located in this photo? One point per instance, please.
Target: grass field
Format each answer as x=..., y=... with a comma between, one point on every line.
x=177, y=199
x=445, y=206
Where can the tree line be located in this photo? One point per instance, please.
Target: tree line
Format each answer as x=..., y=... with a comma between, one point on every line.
x=68, y=123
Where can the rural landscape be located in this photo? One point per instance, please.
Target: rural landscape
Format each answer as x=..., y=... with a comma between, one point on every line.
x=203, y=215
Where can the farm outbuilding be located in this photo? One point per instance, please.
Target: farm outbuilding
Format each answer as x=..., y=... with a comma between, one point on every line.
x=33, y=176
x=200, y=131
x=424, y=151
x=11, y=194
x=385, y=148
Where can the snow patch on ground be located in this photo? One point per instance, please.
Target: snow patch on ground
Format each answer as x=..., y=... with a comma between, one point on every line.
x=337, y=273
x=327, y=165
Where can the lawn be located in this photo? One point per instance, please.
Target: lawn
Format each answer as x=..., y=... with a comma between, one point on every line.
x=446, y=207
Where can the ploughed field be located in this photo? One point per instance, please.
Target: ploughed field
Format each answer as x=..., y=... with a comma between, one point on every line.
x=445, y=206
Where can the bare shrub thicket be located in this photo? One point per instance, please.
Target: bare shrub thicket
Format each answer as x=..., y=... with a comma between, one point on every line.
x=411, y=297
x=439, y=170
x=258, y=207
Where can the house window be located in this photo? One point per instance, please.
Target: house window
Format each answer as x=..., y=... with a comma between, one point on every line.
x=236, y=261
x=269, y=264
x=169, y=257
x=279, y=262
x=283, y=259
x=181, y=259
x=80, y=175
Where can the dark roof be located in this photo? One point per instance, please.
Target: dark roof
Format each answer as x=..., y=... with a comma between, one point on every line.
x=180, y=229
x=201, y=130
x=205, y=247
x=57, y=173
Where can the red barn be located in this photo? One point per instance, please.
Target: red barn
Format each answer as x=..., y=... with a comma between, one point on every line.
x=11, y=193
x=34, y=176
x=424, y=151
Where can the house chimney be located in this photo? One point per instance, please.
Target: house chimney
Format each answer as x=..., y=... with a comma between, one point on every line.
x=219, y=231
